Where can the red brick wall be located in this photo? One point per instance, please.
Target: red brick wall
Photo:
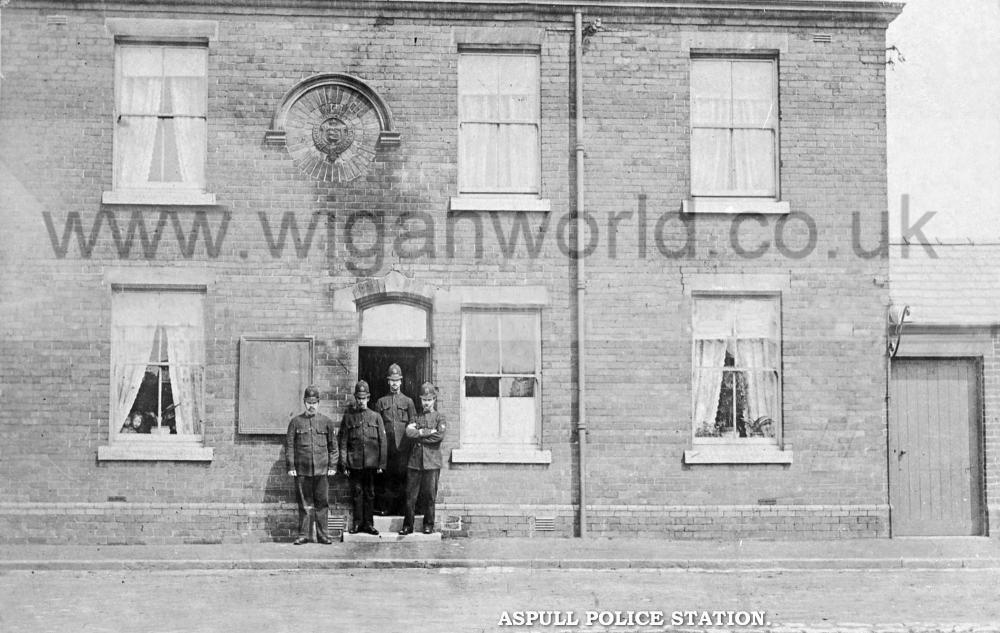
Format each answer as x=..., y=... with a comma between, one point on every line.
x=56, y=103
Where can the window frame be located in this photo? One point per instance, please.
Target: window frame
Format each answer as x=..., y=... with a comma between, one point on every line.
x=763, y=442
x=157, y=446
x=535, y=444
x=534, y=191
x=733, y=202
x=158, y=32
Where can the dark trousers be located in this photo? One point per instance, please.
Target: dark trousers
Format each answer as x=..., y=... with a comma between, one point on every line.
x=421, y=483
x=314, y=504
x=363, y=495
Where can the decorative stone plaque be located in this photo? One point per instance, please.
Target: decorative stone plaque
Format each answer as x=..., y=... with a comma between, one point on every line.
x=332, y=125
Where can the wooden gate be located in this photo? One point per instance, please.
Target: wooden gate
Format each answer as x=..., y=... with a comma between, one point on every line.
x=935, y=463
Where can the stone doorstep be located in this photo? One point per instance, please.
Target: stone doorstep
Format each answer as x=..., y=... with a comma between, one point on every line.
x=388, y=528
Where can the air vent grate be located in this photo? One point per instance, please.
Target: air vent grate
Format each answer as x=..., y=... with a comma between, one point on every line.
x=545, y=524
x=824, y=38
x=336, y=524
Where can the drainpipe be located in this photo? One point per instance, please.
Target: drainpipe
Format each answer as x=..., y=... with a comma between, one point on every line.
x=895, y=319
x=581, y=279
x=3, y=3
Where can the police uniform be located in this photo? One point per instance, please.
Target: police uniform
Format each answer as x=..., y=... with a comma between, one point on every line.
x=397, y=411
x=424, y=463
x=363, y=452
x=311, y=451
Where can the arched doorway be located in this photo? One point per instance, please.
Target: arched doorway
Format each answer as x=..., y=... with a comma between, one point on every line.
x=394, y=331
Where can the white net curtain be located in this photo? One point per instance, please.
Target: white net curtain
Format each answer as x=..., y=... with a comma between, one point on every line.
x=735, y=383
x=140, y=321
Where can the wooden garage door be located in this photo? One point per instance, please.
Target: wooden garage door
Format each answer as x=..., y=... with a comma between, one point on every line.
x=934, y=448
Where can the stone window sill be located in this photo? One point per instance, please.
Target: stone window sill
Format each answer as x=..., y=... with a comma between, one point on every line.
x=155, y=450
x=159, y=197
x=500, y=455
x=733, y=206
x=737, y=454
x=500, y=203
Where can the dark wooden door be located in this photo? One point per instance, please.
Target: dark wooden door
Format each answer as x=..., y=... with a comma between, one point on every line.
x=935, y=457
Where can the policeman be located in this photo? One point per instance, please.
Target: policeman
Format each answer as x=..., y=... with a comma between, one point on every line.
x=362, y=455
x=424, y=463
x=311, y=454
x=397, y=411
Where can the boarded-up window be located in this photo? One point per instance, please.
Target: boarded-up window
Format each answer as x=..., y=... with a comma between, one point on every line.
x=274, y=372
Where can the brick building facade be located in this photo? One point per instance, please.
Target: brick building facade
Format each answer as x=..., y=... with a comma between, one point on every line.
x=208, y=205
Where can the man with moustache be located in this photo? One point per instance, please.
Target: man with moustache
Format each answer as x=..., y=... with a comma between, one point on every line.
x=363, y=451
x=311, y=455
x=425, y=461
x=397, y=411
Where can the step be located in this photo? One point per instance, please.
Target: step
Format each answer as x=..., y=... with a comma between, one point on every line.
x=394, y=523
x=388, y=526
x=390, y=537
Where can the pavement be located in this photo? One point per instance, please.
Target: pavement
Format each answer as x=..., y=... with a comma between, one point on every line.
x=976, y=553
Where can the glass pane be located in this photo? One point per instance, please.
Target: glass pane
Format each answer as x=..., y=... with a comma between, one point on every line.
x=185, y=96
x=185, y=62
x=138, y=61
x=394, y=322
x=519, y=343
x=482, y=343
x=713, y=318
x=710, y=161
x=158, y=353
x=710, y=92
x=518, y=87
x=480, y=421
x=517, y=168
x=515, y=387
x=168, y=416
x=518, y=421
x=729, y=405
x=753, y=94
x=140, y=95
x=753, y=153
x=477, y=87
x=477, y=157
x=756, y=318
x=761, y=412
x=143, y=413
x=482, y=387
x=165, y=165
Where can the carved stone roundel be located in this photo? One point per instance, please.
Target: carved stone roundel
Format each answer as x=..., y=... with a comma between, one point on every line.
x=332, y=132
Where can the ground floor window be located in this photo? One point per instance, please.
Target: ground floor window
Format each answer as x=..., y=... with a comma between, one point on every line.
x=736, y=369
x=157, y=363
x=501, y=378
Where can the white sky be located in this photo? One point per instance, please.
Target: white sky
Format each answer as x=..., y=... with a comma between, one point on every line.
x=944, y=118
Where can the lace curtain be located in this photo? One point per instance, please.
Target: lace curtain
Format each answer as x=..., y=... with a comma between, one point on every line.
x=136, y=316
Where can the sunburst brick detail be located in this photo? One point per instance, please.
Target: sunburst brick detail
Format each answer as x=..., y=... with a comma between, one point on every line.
x=332, y=126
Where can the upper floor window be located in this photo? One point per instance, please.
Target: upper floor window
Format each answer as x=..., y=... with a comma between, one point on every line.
x=734, y=127
x=160, y=117
x=499, y=119
x=736, y=369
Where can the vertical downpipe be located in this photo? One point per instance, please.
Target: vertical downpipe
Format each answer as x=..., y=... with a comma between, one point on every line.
x=581, y=279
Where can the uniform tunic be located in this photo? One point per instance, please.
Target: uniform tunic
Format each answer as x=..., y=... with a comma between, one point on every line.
x=311, y=446
x=363, y=450
x=311, y=451
x=424, y=466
